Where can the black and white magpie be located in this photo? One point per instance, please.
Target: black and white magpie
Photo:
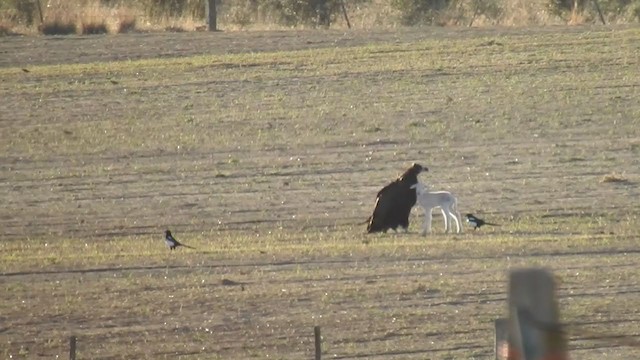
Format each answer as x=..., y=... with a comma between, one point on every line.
x=171, y=242
x=477, y=222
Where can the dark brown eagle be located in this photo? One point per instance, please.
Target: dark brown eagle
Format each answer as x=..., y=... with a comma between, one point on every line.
x=394, y=202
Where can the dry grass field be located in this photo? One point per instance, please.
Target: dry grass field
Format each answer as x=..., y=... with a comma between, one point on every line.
x=264, y=151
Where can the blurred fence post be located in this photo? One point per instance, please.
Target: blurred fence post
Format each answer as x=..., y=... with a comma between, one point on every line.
x=211, y=15
x=501, y=339
x=72, y=348
x=318, y=342
x=534, y=328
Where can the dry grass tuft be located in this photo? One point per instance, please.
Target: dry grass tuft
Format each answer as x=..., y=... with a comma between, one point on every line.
x=174, y=29
x=93, y=18
x=613, y=178
x=5, y=30
x=94, y=28
x=126, y=24
x=58, y=27
x=122, y=17
x=577, y=17
x=96, y=19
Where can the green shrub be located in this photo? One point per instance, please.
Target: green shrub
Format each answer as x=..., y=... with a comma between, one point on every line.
x=20, y=11
x=609, y=7
x=303, y=12
x=489, y=8
x=618, y=7
x=413, y=12
x=635, y=12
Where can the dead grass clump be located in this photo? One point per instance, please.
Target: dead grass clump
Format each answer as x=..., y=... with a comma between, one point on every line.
x=5, y=30
x=126, y=24
x=58, y=27
x=180, y=24
x=577, y=17
x=174, y=28
x=613, y=178
x=94, y=28
x=94, y=19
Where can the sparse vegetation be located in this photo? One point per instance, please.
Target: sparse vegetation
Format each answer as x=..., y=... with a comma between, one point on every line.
x=58, y=27
x=5, y=30
x=615, y=8
x=127, y=23
x=613, y=178
x=420, y=11
x=174, y=28
x=168, y=15
x=93, y=28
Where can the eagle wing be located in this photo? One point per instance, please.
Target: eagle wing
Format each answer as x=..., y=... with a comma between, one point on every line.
x=383, y=217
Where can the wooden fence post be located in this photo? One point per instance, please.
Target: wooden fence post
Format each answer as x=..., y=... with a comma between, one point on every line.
x=211, y=14
x=318, y=342
x=534, y=330
x=72, y=348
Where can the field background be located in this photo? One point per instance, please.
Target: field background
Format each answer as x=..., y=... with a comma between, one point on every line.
x=264, y=150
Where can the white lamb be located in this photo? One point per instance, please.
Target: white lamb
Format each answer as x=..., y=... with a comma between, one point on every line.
x=429, y=200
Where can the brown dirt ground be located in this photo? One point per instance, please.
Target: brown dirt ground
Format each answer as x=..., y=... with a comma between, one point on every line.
x=25, y=51
x=541, y=179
